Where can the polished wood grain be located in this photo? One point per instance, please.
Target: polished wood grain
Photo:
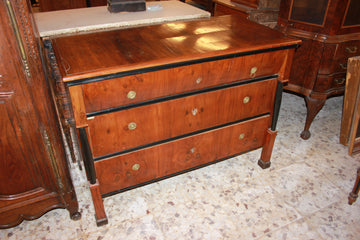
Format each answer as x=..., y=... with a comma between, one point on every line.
x=110, y=133
x=34, y=175
x=151, y=46
x=119, y=172
x=147, y=86
x=154, y=101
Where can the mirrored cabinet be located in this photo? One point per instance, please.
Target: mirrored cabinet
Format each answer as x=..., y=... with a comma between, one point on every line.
x=330, y=34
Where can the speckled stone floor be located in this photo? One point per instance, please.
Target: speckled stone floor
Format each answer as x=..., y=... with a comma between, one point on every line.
x=303, y=195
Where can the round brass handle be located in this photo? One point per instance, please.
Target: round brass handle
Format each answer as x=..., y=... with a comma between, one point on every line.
x=131, y=95
x=132, y=126
x=242, y=136
x=194, y=111
x=253, y=71
x=246, y=99
x=198, y=80
x=136, y=167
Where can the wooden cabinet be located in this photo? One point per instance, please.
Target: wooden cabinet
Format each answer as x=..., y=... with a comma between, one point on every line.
x=34, y=176
x=330, y=30
x=155, y=101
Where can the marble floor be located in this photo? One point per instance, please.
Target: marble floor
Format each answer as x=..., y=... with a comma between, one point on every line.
x=303, y=195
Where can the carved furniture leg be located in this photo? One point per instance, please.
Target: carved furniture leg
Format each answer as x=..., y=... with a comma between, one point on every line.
x=354, y=194
x=313, y=105
x=264, y=161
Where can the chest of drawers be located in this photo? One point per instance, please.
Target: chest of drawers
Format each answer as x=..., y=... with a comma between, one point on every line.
x=156, y=101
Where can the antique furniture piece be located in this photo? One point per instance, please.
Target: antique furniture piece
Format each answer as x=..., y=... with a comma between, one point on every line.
x=264, y=12
x=350, y=128
x=34, y=176
x=156, y=101
x=350, y=131
x=355, y=192
x=330, y=33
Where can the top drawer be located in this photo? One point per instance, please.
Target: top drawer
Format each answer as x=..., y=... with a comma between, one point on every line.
x=347, y=49
x=136, y=88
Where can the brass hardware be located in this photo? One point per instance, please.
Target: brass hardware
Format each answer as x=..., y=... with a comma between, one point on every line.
x=194, y=111
x=198, y=80
x=352, y=49
x=339, y=80
x=192, y=150
x=51, y=155
x=136, y=167
x=253, y=72
x=246, y=100
x=242, y=136
x=132, y=126
x=343, y=65
x=18, y=38
x=131, y=95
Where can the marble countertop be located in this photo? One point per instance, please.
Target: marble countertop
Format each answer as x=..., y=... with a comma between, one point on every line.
x=99, y=18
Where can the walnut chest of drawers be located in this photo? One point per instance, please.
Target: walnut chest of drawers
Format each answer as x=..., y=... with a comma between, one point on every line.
x=155, y=101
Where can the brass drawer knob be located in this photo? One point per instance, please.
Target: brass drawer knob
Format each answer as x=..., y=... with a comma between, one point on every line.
x=136, y=167
x=352, y=49
x=253, y=72
x=246, y=99
x=131, y=95
x=198, y=80
x=132, y=126
x=194, y=111
x=242, y=136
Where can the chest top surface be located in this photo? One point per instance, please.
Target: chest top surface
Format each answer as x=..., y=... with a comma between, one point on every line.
x=101, y=53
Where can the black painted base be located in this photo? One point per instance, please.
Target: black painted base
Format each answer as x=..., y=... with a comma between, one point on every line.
x=263, y=164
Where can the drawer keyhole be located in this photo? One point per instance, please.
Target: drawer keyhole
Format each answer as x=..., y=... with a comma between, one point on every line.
x=253, y=72
x=132, y=126
x=131, y=95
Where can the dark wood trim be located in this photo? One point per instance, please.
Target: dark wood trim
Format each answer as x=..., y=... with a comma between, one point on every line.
x=87, y=156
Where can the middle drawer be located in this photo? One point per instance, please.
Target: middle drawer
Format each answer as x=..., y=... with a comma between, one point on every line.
x=126, y=129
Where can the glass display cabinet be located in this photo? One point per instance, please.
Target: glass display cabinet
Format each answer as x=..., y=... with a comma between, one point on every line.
x=329, y=30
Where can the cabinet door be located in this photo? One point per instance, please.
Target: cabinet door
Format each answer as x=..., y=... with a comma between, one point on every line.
x=33, y=173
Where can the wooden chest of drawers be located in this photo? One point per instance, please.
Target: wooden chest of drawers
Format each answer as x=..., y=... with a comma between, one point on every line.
x=156, y=101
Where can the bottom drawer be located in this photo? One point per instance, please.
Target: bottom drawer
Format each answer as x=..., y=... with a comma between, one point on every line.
x=154, y=162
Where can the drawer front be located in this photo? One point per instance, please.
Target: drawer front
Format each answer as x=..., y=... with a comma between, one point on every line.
x=335, y=57
x=348, y=49
x=146, y=86
x=134, y=127
x=144, y=165
x=330, y=84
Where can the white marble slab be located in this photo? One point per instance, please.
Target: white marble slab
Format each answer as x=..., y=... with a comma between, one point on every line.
x=99, y=18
